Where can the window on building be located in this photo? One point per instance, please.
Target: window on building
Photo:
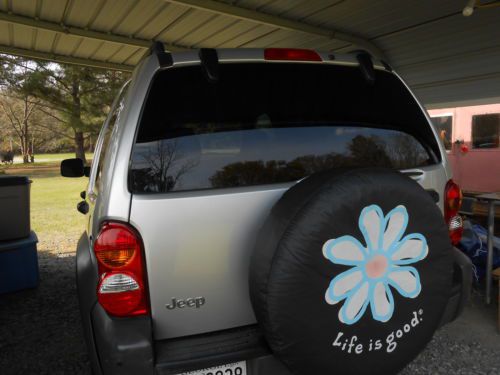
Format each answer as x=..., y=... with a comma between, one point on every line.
x=443, y=125
x=486, y=130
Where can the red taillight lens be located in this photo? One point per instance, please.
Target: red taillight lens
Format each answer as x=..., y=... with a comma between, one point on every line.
x=452, y=204
x=122, y=290
x=291, y=54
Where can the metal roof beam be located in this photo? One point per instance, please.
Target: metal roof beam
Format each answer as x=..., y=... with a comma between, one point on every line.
x=282, y=23
x=63, y=59
x=81, y=32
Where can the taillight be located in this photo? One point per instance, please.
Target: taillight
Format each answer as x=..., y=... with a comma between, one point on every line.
x=295, y=54
x=122, y=289
x=452, y=204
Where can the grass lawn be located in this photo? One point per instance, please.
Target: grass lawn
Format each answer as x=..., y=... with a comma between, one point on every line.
x=51, y=158
x=54, y=217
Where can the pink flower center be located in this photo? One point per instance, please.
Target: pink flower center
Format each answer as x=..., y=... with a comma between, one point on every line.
x=376, y=267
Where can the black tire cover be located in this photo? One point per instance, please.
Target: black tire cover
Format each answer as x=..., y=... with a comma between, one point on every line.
x=331, y=303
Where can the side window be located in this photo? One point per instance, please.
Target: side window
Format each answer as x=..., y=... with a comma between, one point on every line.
x=107, y=131
x=444, y=127
x=486, y=131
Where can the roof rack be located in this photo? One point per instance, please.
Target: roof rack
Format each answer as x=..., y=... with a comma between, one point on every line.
x=366, y=65
x=210, y=63
x=164, y=58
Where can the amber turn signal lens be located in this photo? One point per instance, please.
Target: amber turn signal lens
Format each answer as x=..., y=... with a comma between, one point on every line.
x=115, y=258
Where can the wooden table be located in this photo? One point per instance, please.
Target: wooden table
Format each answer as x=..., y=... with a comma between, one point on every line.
x=492, y=199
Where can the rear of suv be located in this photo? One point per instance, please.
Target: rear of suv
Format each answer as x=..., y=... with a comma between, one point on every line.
x=266, y=212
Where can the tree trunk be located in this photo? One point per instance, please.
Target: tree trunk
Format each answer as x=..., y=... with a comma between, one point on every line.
x=25, y=149
x=79, y=146
x=25, y=140
x=76, y=114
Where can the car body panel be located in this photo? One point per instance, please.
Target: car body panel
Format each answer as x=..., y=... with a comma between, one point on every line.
x=197, y=244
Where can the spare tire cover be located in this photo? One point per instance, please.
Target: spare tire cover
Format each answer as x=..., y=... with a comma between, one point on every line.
x=351, y=273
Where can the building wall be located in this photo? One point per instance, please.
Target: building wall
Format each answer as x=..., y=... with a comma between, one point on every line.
x=477, y=170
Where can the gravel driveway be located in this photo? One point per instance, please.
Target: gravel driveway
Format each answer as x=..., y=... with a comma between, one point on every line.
x=40, y=331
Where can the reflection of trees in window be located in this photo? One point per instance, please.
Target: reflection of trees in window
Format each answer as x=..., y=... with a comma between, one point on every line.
x=363, y=151
x=165, y=168
x=250, y=173
x=405, y=152
x=369, y=151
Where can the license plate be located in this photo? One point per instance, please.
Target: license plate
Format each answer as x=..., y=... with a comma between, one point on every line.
x=239, y=368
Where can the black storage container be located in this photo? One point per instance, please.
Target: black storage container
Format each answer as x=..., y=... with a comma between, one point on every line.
x=14, y=207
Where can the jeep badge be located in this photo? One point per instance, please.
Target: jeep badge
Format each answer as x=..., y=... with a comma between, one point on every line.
x=188, y=302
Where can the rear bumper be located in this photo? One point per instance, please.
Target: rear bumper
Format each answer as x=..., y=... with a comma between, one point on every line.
x=461, y=288
x=126, y=346
x=213, y=349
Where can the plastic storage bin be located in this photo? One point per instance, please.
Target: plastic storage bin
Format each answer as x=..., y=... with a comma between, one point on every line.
x=14, y=207
x=18, y=264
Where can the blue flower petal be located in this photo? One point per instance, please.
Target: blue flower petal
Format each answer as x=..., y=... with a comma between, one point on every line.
x=345, y=250
x=411, y=249
x=381, y=302
x=355, y=306
x=405, y=280
x=395, y=224
x=343, y=285
x=371, y=224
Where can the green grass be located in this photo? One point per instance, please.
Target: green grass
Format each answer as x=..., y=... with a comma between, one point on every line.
x=54, y=217
x=48, y=159
x=55, y=157
x=43, y=161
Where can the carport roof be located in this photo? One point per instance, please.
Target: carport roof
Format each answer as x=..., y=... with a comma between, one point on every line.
x=446, y=57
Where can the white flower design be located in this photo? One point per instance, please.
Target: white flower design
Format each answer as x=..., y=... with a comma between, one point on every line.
x=381, y=264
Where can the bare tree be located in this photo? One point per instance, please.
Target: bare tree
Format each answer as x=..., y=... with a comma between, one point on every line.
x=164, y=169
x=18, y=114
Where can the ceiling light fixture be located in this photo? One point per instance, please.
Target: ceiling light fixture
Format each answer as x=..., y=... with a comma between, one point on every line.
x=469, y=8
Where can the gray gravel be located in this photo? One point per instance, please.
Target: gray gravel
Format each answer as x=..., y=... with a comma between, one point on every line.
x=445, y=355
x=40, y=331
x=470, y=345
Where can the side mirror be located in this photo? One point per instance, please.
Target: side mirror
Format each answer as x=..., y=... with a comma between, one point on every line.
x=72, y=168
x=83, y=207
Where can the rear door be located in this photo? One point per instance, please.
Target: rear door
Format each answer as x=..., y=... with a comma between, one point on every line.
x=211, y=159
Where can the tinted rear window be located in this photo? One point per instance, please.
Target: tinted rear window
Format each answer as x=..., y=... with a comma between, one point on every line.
x=272, y=123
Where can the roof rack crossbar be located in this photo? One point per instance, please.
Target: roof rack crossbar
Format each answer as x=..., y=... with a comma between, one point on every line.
x=164, y=58
x=210, y=63
x=366, y=66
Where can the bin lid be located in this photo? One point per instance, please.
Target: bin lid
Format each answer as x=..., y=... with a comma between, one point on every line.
x=14, y=180
x=19, y=243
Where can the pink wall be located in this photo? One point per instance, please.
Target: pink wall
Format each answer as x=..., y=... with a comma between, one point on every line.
x=477, y=170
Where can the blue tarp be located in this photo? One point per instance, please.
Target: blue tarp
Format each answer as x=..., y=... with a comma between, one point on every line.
x=474, y=244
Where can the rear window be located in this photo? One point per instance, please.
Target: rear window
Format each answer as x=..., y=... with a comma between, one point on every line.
x=266, y=123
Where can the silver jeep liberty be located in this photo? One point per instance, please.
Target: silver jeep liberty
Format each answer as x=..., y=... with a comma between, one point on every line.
x=266, y=212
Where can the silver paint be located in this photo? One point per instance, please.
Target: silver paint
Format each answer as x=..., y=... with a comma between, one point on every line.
x=196, y=243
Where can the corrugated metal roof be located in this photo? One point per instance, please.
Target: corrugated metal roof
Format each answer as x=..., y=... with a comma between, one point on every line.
x=443, y=55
